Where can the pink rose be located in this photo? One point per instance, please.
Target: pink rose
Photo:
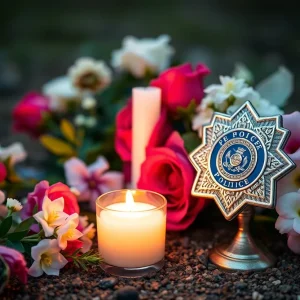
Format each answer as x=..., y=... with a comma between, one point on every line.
x=16, y=263
x=28, y=113
x=57, y=190
x=3, y=172
x=292, y=123
x=180, y=85
x=291, y=182
x=168, y=171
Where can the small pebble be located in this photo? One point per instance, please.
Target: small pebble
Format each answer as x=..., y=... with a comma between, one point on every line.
x=108, y=283
x=257, y=296
x=276, y=282
x=127, y=293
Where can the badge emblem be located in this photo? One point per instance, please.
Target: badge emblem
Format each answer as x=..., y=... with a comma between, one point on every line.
x=240, y=159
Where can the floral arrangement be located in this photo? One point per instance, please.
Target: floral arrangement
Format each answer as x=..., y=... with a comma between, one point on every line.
x=84, y=121
x=46, y=231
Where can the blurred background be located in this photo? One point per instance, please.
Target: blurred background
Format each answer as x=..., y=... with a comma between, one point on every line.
x=40, y=39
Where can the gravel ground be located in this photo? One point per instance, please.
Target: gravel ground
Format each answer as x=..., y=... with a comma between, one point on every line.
x=187, y=273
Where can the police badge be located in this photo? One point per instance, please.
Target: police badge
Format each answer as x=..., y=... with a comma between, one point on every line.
x=238, y=163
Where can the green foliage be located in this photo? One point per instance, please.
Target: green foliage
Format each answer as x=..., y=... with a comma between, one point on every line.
x=191, y=140
x=17, y=245
x=17, y=235
x=5, y=226
x=84, y=260
x=25, y=225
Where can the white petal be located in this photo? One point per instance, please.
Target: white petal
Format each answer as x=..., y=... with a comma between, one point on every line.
x=284, y=225
x=213, y=88
x=58, y=261
x=50, y=270
x=57, y=205
x=296, y=224
x=35, y=270
x=47, y=229
x=288, y=205
x=42, y=247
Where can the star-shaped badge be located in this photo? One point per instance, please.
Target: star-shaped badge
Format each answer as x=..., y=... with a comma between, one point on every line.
x=240, y=159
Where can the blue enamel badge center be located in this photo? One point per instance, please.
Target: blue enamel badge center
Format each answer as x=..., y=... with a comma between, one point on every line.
x=237, y=159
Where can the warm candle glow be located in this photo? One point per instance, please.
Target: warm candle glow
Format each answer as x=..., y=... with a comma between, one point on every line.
x=129, y=200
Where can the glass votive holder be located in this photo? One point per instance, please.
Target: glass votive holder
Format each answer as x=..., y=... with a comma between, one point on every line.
x=131, y=227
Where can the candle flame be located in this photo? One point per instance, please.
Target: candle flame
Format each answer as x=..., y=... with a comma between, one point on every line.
x=129, y=200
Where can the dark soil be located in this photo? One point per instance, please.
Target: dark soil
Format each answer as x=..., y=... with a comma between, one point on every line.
x=187, y=273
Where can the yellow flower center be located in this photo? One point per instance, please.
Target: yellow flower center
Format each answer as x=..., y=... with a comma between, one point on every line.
x=89, y=81
x=69, y=234
x=52, y=216
x=46, y=259
x=229, y=86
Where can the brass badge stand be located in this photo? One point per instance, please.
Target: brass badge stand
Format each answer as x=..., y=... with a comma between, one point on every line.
x=238, y=163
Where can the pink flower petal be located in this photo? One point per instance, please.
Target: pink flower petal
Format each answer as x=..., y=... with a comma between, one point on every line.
x=98, y=167
x=76, y=171
x=294, y=243
x=296, y=224
x=35, y=270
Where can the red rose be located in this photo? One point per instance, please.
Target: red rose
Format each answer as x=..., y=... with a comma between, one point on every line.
x=123, y=138
x=57, y=190
x=3, y=172
x=180, y=85
x=16, y=263
x=28, y=113
x=168, y=171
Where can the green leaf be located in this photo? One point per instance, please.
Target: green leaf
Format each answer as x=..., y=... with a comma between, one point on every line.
x=5, y=226
x=17, y=236
x=17, y=245
x=187, y=112
x=68, y=130
x=25, y=225
x=57, y=146
x=191, y=141
x=262, y=218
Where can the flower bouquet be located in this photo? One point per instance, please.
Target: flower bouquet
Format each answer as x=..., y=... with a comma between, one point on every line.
x=84, y=121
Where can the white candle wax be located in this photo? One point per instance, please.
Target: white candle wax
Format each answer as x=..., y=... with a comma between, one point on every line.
x=131, y=236
x=146, y=104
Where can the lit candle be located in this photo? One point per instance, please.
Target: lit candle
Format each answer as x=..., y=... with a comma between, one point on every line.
x=146, y=104
x=131, y=233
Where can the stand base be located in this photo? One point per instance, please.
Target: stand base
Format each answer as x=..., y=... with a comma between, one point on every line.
x=132, y=272
x=242, y=254
x=223, y=257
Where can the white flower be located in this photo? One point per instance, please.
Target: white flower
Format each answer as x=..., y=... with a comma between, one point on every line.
x=90, y=122
x=137, y=56
x=13, y=204
x=265, y=108
x=88, y=234
x=60, y=91
x=15, y=151
x=79, y=120
x=52, y=215
x=229, y=86
x=202, y=118
x=68, y=231
x=88, y=103
x=89, y=75
x=288, y=208
x=47, y=258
